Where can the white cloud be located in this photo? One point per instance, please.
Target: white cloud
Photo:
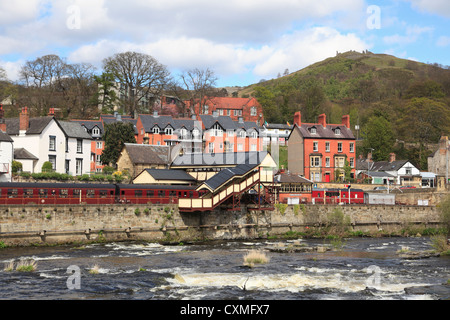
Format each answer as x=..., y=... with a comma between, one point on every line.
x=412, y=35
x=293, y=51
x=439, y=7
x=443, y=41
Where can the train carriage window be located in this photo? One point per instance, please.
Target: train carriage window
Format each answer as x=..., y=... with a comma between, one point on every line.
x=63, y=193
x=103, y=193
x=138, y=193
x=53, y=192
x=76, y=193
x=173, y=193
x=28, y=193
x=0, y=193
x=12, y=193
x=161, y=193
x=43, y=193
x=191, y=194
x=90, y=193
x=150, y=193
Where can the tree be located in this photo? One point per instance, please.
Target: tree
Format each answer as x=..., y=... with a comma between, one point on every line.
x=115, y=136
x=198, y=84
x=379, y=136
x=141, y=78
x=105, y=95
x=42, y=80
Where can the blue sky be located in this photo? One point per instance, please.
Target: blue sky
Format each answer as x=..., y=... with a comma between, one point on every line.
x=243, y=41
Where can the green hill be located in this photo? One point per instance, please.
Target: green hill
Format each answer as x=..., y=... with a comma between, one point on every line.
x=413, y=97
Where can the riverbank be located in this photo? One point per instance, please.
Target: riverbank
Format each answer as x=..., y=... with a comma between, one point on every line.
x=53, y=225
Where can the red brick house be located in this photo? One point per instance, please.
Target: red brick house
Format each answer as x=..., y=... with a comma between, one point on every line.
x=319, y=151
x=247, y=108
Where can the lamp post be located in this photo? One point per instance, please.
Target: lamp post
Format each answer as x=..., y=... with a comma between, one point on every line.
x=368, y=161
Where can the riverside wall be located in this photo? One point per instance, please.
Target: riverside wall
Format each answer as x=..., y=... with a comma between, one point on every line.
x=58, y=224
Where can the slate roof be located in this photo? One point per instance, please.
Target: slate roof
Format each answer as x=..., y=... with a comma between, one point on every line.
x=226, y=174
x=90, y=124
x=5, y=137
x=24, y=154
x=291, y=178
x=322, y=132
x=168, y=174
x=388, y=166
x=219, y=159
x=74, y=130
x=37, y=125
x=148, y=154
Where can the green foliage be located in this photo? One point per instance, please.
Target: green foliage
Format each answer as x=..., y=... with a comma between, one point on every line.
x=444, y=210
x=108, y=170
x=47, y=166
x=16, y=167
x=378, y=135
x=116, y=135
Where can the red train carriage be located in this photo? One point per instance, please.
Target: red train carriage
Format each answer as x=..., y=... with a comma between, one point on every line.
x=336, y=196
x=56, y=193
x=156, y=194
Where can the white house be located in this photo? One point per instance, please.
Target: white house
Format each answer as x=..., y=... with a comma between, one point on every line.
x=6, y=156
x=403, y=171
x=65, y=145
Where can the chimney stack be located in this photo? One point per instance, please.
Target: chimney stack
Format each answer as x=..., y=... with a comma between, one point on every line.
x=51, y=112
x=298, y=118
x=391, y=157
x=323, y=120
x=24, y=120
x=346, y=121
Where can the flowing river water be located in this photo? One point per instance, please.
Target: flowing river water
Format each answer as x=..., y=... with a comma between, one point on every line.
x=363, y=269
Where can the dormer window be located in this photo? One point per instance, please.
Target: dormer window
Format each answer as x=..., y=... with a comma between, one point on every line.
x=155, y=130
x=313, y=130
x=337, y=131
x=96, y=131
x=169, y=131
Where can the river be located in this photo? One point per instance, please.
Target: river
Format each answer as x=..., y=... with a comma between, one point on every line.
x=363, y=269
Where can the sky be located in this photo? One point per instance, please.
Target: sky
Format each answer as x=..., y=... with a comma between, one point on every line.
x=242, y=41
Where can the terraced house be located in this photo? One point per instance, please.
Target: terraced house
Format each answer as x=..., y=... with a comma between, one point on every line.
x=207, y=133
x=320, y=151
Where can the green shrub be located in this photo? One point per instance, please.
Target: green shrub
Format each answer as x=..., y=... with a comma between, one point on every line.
x=16, y=167
x=108, y=170
x=84, y=177
x=47, y=167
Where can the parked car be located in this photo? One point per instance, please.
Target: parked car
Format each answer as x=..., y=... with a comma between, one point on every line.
x=380, y=188
x=407, y=187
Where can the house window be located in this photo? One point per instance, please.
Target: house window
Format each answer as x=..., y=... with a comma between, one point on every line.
x=52, y=143
x=96, y=131
x=253, y=147
x=206, y=109
x=340, y=162
x=155, y=130
x=67, y=166
x=79, y=146
x=169, y=131
x=242, y=134
x=236, y=113
x=254, y=134
x=352, y=162
x=315, y=161
x=98, y=159
x=352, y=147
x=327, y=162
x=211, y=147
x=52, y=160
x=217, y=130
x=220, y=112
x=228, y=112
x=196, y=133
x=327, y=147
x=99, y=144
x=253, y=111
x=337, y=131
x=240, y=147
x=315, y=146
x=313, y=130
x=339, y=146
x=79, y=167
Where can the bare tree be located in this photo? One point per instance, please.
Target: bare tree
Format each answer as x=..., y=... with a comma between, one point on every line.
x=142, y=79
x=42, y=81
x=79, y=90
x=198, y=84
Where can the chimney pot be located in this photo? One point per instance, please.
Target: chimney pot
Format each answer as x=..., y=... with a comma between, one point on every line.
x=24, y=120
